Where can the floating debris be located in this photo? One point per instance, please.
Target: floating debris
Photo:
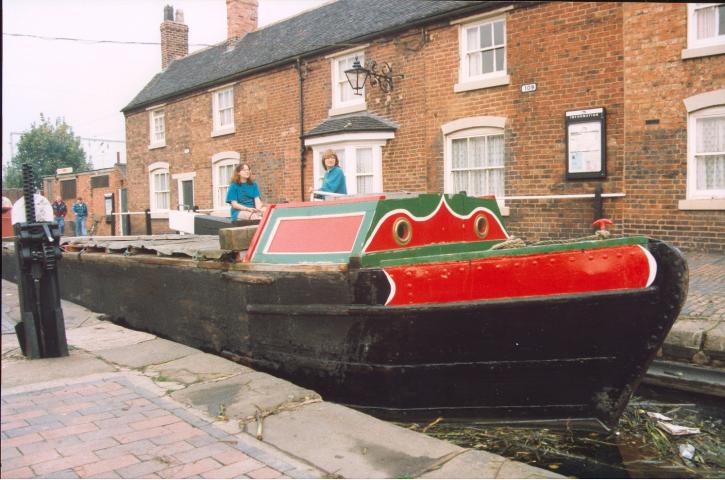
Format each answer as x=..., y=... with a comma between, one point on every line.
x=658, y=416
x=677, y=430
x=641, y=446
x=687, y=451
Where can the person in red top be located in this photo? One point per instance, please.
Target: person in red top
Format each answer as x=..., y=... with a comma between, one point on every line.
x=60, y=209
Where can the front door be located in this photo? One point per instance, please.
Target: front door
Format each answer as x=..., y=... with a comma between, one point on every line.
x=187, y=194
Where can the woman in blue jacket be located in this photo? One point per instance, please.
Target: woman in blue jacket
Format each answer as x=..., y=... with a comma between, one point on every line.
x=243, y=195
x=334, y=179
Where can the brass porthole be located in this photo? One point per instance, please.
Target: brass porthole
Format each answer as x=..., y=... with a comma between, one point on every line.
x=402, y=231
x=480, y=225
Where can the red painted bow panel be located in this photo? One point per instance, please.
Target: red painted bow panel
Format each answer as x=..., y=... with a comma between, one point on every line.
x=443, y=226
x=576, y=271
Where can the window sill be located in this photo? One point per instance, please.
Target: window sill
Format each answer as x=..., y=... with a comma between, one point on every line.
x=699, y=52
x=224, y=131
x=484, y=83
x=156, y=145
x=702, y=204
x=347, y=109
x=159, y=214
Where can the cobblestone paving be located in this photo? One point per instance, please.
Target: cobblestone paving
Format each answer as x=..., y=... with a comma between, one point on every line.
x=111, y=428
x=706, y=296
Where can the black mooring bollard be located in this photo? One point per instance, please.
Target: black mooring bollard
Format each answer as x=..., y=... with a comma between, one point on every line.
x=598, y=204
x=147, y=214
x=41, y=331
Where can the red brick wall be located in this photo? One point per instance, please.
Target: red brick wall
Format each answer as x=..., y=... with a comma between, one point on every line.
x=574, y=52
x=656, y=82
x=93, y=197
x=174, y=42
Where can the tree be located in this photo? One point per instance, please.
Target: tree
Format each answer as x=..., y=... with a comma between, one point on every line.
x=46, y=147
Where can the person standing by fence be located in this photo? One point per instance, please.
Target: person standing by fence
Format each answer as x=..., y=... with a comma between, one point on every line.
x=80, y=209
x=60, y=210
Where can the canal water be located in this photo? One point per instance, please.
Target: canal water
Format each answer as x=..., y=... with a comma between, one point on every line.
x=638, y=448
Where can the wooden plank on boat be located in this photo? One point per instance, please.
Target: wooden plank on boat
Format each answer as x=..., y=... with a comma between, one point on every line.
x=297, y=267
x=183, y=262
x=249, y=277
x=167, y=245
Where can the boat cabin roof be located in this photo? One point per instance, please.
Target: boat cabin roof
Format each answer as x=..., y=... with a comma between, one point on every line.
x=367, y=229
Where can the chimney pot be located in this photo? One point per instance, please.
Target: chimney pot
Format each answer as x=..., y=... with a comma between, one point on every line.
x=179, y=16
x=168, y=13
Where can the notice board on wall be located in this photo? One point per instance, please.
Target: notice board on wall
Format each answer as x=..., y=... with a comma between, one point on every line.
x=586, y=144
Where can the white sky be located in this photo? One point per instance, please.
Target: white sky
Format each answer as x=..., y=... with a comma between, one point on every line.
x=86, y=83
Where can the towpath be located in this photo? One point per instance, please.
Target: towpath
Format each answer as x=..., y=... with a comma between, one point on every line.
x=127, y=404
x=698, y=335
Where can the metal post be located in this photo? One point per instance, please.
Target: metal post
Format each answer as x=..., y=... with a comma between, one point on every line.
x=41, y=331
x=147, y=212
x=598, y=203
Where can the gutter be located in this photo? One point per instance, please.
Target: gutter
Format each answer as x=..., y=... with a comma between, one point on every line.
x=473, y=8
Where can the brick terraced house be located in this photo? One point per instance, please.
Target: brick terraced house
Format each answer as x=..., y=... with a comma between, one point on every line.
x=538, y=103
x=101, y=189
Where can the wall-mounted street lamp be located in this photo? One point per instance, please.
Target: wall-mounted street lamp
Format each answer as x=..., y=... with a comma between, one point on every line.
x=358, y=75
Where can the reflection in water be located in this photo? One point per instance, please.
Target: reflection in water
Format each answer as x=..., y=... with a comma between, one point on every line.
x=639, y=447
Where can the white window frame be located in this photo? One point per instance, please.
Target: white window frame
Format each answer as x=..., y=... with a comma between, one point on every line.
x=221, y=159
x=157, y=168
x=466, y=128
x=181, y=177
x=217, y=127
x=466, y=81
x=350, y=143
x=154, y=114
x=701, y=199
x=357, y=103
x=704, y=46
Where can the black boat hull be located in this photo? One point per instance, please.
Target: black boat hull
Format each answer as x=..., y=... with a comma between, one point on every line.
x=573, y=358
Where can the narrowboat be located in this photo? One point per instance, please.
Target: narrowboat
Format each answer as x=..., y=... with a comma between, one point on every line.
x=412, y=306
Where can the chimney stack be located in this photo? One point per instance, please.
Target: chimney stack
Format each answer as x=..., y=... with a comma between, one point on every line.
x=174, y=37
x=241, y=18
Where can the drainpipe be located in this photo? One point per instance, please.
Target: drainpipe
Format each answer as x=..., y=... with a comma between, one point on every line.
x=301, y=76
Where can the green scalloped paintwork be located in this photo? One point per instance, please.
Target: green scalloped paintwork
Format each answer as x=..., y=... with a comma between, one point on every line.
x=425, y=203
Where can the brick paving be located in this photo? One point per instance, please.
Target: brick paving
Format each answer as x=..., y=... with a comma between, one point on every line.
x=706, y=296
x=111, y=428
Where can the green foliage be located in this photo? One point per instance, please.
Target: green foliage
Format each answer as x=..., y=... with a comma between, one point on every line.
x=47, y=146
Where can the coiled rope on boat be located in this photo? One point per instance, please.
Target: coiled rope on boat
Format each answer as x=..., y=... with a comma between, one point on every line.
x=516, y=242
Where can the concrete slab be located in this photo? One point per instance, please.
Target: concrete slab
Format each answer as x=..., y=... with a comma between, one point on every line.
x=686, y=338
x=10, y=313
x=714, y=343
x=243, y=395
x=77, y=364
x=10, y=345
x=198, y=367
x=75, y=316
x=146, y=353
x=351, y=444
x=479, y=464
x=104, y=336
